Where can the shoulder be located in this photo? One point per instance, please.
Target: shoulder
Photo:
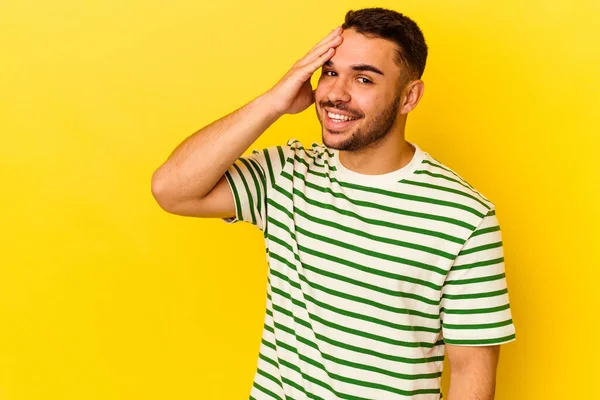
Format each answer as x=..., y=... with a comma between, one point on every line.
x=313, y=154
x=435, y=175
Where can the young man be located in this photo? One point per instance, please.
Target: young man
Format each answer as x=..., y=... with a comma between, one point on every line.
x=380, y=257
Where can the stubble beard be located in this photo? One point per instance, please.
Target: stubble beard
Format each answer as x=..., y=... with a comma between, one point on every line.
x=367, y=136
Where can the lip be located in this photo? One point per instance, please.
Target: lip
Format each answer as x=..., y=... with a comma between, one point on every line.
x=334, y=125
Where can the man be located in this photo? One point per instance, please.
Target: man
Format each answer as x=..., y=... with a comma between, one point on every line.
x=380, y=257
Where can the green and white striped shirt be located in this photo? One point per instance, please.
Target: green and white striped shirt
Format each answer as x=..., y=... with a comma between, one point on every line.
x=369, y=275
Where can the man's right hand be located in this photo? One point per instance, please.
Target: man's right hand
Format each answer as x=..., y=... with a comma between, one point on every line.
x=191, y=182
x=294, y=93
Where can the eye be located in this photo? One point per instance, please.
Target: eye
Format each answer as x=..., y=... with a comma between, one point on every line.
x=328, y=72
x=366, y=80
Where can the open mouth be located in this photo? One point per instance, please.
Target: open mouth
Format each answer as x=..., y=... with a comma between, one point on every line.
x=335, y=122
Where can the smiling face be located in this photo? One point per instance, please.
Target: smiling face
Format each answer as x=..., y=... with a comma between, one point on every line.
x=358, y=95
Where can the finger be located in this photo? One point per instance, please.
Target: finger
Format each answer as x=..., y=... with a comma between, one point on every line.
x=319, y=51
x=336, y=31
x=322, y=59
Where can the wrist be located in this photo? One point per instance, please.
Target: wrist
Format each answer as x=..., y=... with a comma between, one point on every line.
x=268, y=102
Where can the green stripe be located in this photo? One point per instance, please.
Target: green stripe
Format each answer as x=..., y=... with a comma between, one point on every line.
x=259, y=171
x=381, y=239
x=341, y=378
x=257, y=166
x=364, y=301
x=445, y=189
x=474, y=295
x=283, y=192
x=269, y=165
x=476, y=310
x=306, y=153
x=369, y=221
x=478, y=326
x=281, y=156
x=349, y=296
x=238, y=203
x=486, y=230
x=258, y=187
x=404, y=196
x=267, y=391
x=325, y=149
x=480, y=341
x=361, y=350
x=378, y=321
x=441, y=166
x=356, y=365
x=393, y=194
x=274, y=380
x=484, y=263
x=320, y=383
x=248, y=193
x=477, y=249
x=353, y=264
x=374, y=254
x=283, y=379
x=261, y=174
x=441, y=176
x=358, y=382
x=377, y=206
x=322, y=272
x=267, y=359
x=314, y=317
x=476, y=280
x=369, y=270
x=270, y=329
x=342, y=328
x=301, y=160
x=364, y=383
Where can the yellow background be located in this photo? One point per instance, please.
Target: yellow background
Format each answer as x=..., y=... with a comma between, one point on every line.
x=105, y=296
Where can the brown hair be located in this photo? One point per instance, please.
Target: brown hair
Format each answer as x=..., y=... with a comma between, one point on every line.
x=393, y=26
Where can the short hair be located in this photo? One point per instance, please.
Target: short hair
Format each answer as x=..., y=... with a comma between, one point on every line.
x=396, y=27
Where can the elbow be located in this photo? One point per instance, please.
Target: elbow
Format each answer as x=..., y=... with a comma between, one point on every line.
x=160, y=191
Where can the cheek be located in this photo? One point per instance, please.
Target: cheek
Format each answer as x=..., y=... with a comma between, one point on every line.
x=364, y=105
x=320, y=91
x=371, y=106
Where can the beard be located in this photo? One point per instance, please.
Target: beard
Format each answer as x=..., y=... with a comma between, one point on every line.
x=368, y=135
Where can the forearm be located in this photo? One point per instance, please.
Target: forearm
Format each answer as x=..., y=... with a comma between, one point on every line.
x=472, y=385
x=197, y=164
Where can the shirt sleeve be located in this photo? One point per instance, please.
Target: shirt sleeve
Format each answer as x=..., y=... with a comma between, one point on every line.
x=475, y=308
x=249, y=179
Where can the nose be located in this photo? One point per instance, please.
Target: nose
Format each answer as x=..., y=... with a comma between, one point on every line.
x=339, y=92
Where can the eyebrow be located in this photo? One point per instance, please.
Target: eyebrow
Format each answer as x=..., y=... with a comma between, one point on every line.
x=359, y=67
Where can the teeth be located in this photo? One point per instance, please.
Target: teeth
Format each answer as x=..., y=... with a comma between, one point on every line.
x=340, y=117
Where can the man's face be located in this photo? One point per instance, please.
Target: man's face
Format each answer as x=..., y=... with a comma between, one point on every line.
x=350, y=85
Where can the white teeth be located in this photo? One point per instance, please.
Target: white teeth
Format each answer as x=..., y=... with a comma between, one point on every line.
x=340, y=117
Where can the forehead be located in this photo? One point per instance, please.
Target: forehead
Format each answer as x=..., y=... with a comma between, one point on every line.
x=356, y=48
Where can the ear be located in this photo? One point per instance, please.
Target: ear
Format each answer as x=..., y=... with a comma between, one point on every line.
x=411, y=94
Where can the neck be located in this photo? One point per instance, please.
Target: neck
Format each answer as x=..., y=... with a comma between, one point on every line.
x=389, y=155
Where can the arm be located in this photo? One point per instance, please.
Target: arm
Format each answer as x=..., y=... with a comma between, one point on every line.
x=199, y=162
x=475, y=312
x=196, y=167
x=472, y=371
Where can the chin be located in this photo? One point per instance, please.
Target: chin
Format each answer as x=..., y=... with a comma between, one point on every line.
x=334, y=140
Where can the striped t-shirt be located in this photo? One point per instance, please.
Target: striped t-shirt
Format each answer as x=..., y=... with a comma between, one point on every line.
x=369, y=275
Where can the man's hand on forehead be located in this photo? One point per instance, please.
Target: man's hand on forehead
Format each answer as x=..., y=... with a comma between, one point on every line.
x=293, y=93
